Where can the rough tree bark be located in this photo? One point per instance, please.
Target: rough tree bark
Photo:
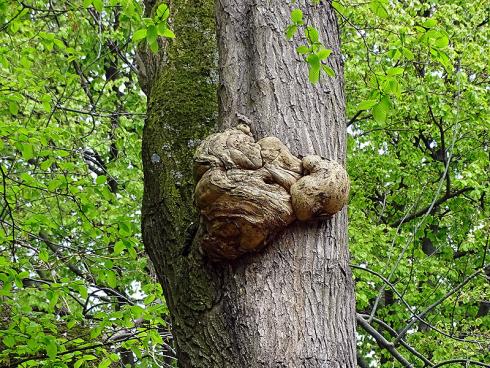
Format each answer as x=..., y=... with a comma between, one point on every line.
x=291, y=305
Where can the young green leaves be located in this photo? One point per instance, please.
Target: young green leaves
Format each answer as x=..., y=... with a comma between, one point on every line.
x=155, y=27
x=313, y=51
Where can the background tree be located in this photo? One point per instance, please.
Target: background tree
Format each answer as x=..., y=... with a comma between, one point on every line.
x=76, y=288
x=419, y=160
x=75, y=285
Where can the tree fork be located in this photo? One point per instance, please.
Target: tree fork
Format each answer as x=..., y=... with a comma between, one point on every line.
x=293, y=304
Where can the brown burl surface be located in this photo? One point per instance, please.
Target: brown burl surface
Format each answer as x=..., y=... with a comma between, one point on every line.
x=249, y=191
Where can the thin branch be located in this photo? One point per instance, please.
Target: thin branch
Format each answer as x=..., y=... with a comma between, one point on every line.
x=435, y=304
x=413, y=315
x=354, y=118
x=382, y=342
x=8, y=208
x=430, y=209
x=402, y=342
x=12, y=19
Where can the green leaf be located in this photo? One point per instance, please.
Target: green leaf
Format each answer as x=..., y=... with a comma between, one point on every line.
x=151, y=34
x=442, y=42
x=119, y=247
x=366, y=104
x=445, y=61
x=329, y=71
x=385, y=101
x=161, y=27
x=53, y=298
x=429, y=23
x=105, y=363
x=101, y=179
x=153, y=46
x=323, y=53
x=408, y=54
x=379, y=8
x=13, y=107
x=395, y=71
x=380, y=113
x=98, y=5
x=14, y=26
x=433, y=34
x=314, y=73
x=168, y=33
x=111, y=279
x=139, y=34
x=46, y=164
x=27, y=151
x=303, y=49
x=43, y=255
x=297, y=16
x=313, y=59
x=46, y=102
x=9, y=341
x=51, y=348
x=22, y=275
x=291, y=31
x=83, y=291
x=339, y=7
x=312, y=34
x=163, y=12
x=96, y=331
x=125, y=229
x=391, y=86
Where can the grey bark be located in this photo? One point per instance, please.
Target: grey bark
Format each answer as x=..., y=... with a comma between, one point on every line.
x=291, y=305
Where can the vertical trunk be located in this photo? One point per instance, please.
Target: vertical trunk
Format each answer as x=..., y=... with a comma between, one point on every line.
x=293, y=304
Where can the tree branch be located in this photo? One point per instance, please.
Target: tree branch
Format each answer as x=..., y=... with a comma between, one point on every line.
x=395, y=334
x=409, y=308
x=354, y=118
x=435, y=304
x=424, y=210
x=382, y=342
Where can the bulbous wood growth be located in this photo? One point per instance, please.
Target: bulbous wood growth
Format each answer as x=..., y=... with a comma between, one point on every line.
x=249, y=191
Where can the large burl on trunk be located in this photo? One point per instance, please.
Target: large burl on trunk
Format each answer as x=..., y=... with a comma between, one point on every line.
x=291, y=304
x=247, y=191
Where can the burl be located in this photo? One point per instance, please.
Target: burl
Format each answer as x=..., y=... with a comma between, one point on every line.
x=249, y=191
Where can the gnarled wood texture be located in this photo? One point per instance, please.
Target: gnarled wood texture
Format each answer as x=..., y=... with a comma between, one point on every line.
x=247, y=191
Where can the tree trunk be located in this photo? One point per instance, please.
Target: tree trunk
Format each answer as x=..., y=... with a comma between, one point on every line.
x=291, y=305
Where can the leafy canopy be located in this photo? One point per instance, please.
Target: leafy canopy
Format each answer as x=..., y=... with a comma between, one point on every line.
x=75, y=285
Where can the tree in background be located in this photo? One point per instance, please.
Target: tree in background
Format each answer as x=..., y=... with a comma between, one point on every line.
x=75, y=285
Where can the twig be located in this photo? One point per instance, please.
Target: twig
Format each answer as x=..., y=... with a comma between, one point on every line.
x=402, y=342
x=431, y=208
x=382, y=342
x=435, y=304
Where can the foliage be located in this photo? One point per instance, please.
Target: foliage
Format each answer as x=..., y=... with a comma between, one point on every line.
x=417, y=85
x=313, y=51
x=75, y=285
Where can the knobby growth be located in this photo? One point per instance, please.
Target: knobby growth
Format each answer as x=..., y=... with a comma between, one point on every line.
x=249, y=191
